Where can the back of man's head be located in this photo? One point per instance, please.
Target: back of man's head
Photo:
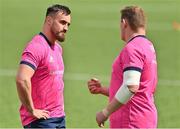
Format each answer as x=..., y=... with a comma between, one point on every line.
x=135, y=17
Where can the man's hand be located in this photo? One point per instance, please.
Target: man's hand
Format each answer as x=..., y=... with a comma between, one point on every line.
x=94, y=86
x=40, y=114
x=101, y=118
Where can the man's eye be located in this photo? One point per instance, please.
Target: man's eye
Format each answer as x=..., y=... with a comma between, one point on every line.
x=63, y=22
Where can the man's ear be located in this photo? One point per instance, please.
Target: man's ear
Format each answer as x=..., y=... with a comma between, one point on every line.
x=125, y=23
x=49, y=20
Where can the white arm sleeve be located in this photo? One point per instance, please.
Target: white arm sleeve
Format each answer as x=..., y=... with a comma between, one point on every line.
x=130, y=77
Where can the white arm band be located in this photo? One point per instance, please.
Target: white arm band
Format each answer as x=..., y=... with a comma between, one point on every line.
x=130, y=77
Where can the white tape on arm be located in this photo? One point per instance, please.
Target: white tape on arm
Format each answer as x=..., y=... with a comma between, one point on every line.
x=130, y=77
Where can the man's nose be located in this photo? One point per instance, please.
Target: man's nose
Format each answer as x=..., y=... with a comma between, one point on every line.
x=66, y=27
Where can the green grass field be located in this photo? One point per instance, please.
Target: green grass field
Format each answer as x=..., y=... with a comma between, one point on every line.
x=92, y=44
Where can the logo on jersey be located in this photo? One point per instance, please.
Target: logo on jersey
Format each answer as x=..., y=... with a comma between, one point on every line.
x=57, y=72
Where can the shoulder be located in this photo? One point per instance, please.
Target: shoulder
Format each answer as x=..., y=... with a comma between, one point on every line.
x=134, y=49
x=131, y=47
x=36, y=46
x=138, y=44
x=36, y=43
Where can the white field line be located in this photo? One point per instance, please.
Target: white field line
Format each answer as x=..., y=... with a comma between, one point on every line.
x=86, y=76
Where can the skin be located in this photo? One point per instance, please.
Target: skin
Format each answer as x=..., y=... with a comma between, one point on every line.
x=55, y=28
x=95, y=86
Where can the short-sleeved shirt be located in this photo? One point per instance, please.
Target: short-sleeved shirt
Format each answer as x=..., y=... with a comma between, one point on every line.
x=47, y=80
x=140, y=112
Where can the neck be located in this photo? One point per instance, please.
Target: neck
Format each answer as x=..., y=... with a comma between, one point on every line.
x=46, y=31
x=132, y=34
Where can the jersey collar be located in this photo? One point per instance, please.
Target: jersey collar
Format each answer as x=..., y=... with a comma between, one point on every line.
x=143, y=36
x=44, y=36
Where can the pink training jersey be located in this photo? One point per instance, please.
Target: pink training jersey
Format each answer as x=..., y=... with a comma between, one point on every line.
x=140, y=111
x=47, y=81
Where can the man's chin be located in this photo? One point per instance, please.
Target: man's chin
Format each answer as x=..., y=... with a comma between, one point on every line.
x=60, y=39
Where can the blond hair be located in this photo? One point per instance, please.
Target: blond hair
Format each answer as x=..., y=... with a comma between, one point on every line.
x=135, y=17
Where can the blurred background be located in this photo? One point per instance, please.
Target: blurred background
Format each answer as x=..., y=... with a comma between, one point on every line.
x=91, y=45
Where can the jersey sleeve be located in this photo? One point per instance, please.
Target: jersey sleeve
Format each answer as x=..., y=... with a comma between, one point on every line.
x=32, y=55
x=132, y=58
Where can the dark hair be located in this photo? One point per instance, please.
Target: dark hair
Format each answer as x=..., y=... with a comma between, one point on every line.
x=135, y=17
x=56, y=8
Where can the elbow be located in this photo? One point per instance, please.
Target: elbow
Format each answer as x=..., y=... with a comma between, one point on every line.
x=133, y=89
x=22, y=84
x=20, y=81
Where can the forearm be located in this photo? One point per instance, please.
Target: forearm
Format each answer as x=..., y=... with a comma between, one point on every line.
x=112, y=107
x=24, y=92
x=102, y=116
x=129, y=87
x=126, y=91
x=105, y=91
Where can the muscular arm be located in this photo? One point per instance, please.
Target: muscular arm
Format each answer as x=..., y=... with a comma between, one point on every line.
x=115, y=104
x=129, y=87
x=23, y=83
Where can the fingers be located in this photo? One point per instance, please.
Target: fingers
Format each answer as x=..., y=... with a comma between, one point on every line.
x=91, y=88
x=100, y=119
x=94, y=89
x=101, y=125
x=45, y=114
x=40, y=114
x=94, y=86
x=95, y=80
x=91, y=84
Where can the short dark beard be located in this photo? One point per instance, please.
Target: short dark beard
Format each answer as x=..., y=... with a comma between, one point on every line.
x=61, y=39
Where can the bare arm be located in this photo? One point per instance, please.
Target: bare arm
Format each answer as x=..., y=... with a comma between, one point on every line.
x=113, y=106
x=23, y=83
x=105, y=91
